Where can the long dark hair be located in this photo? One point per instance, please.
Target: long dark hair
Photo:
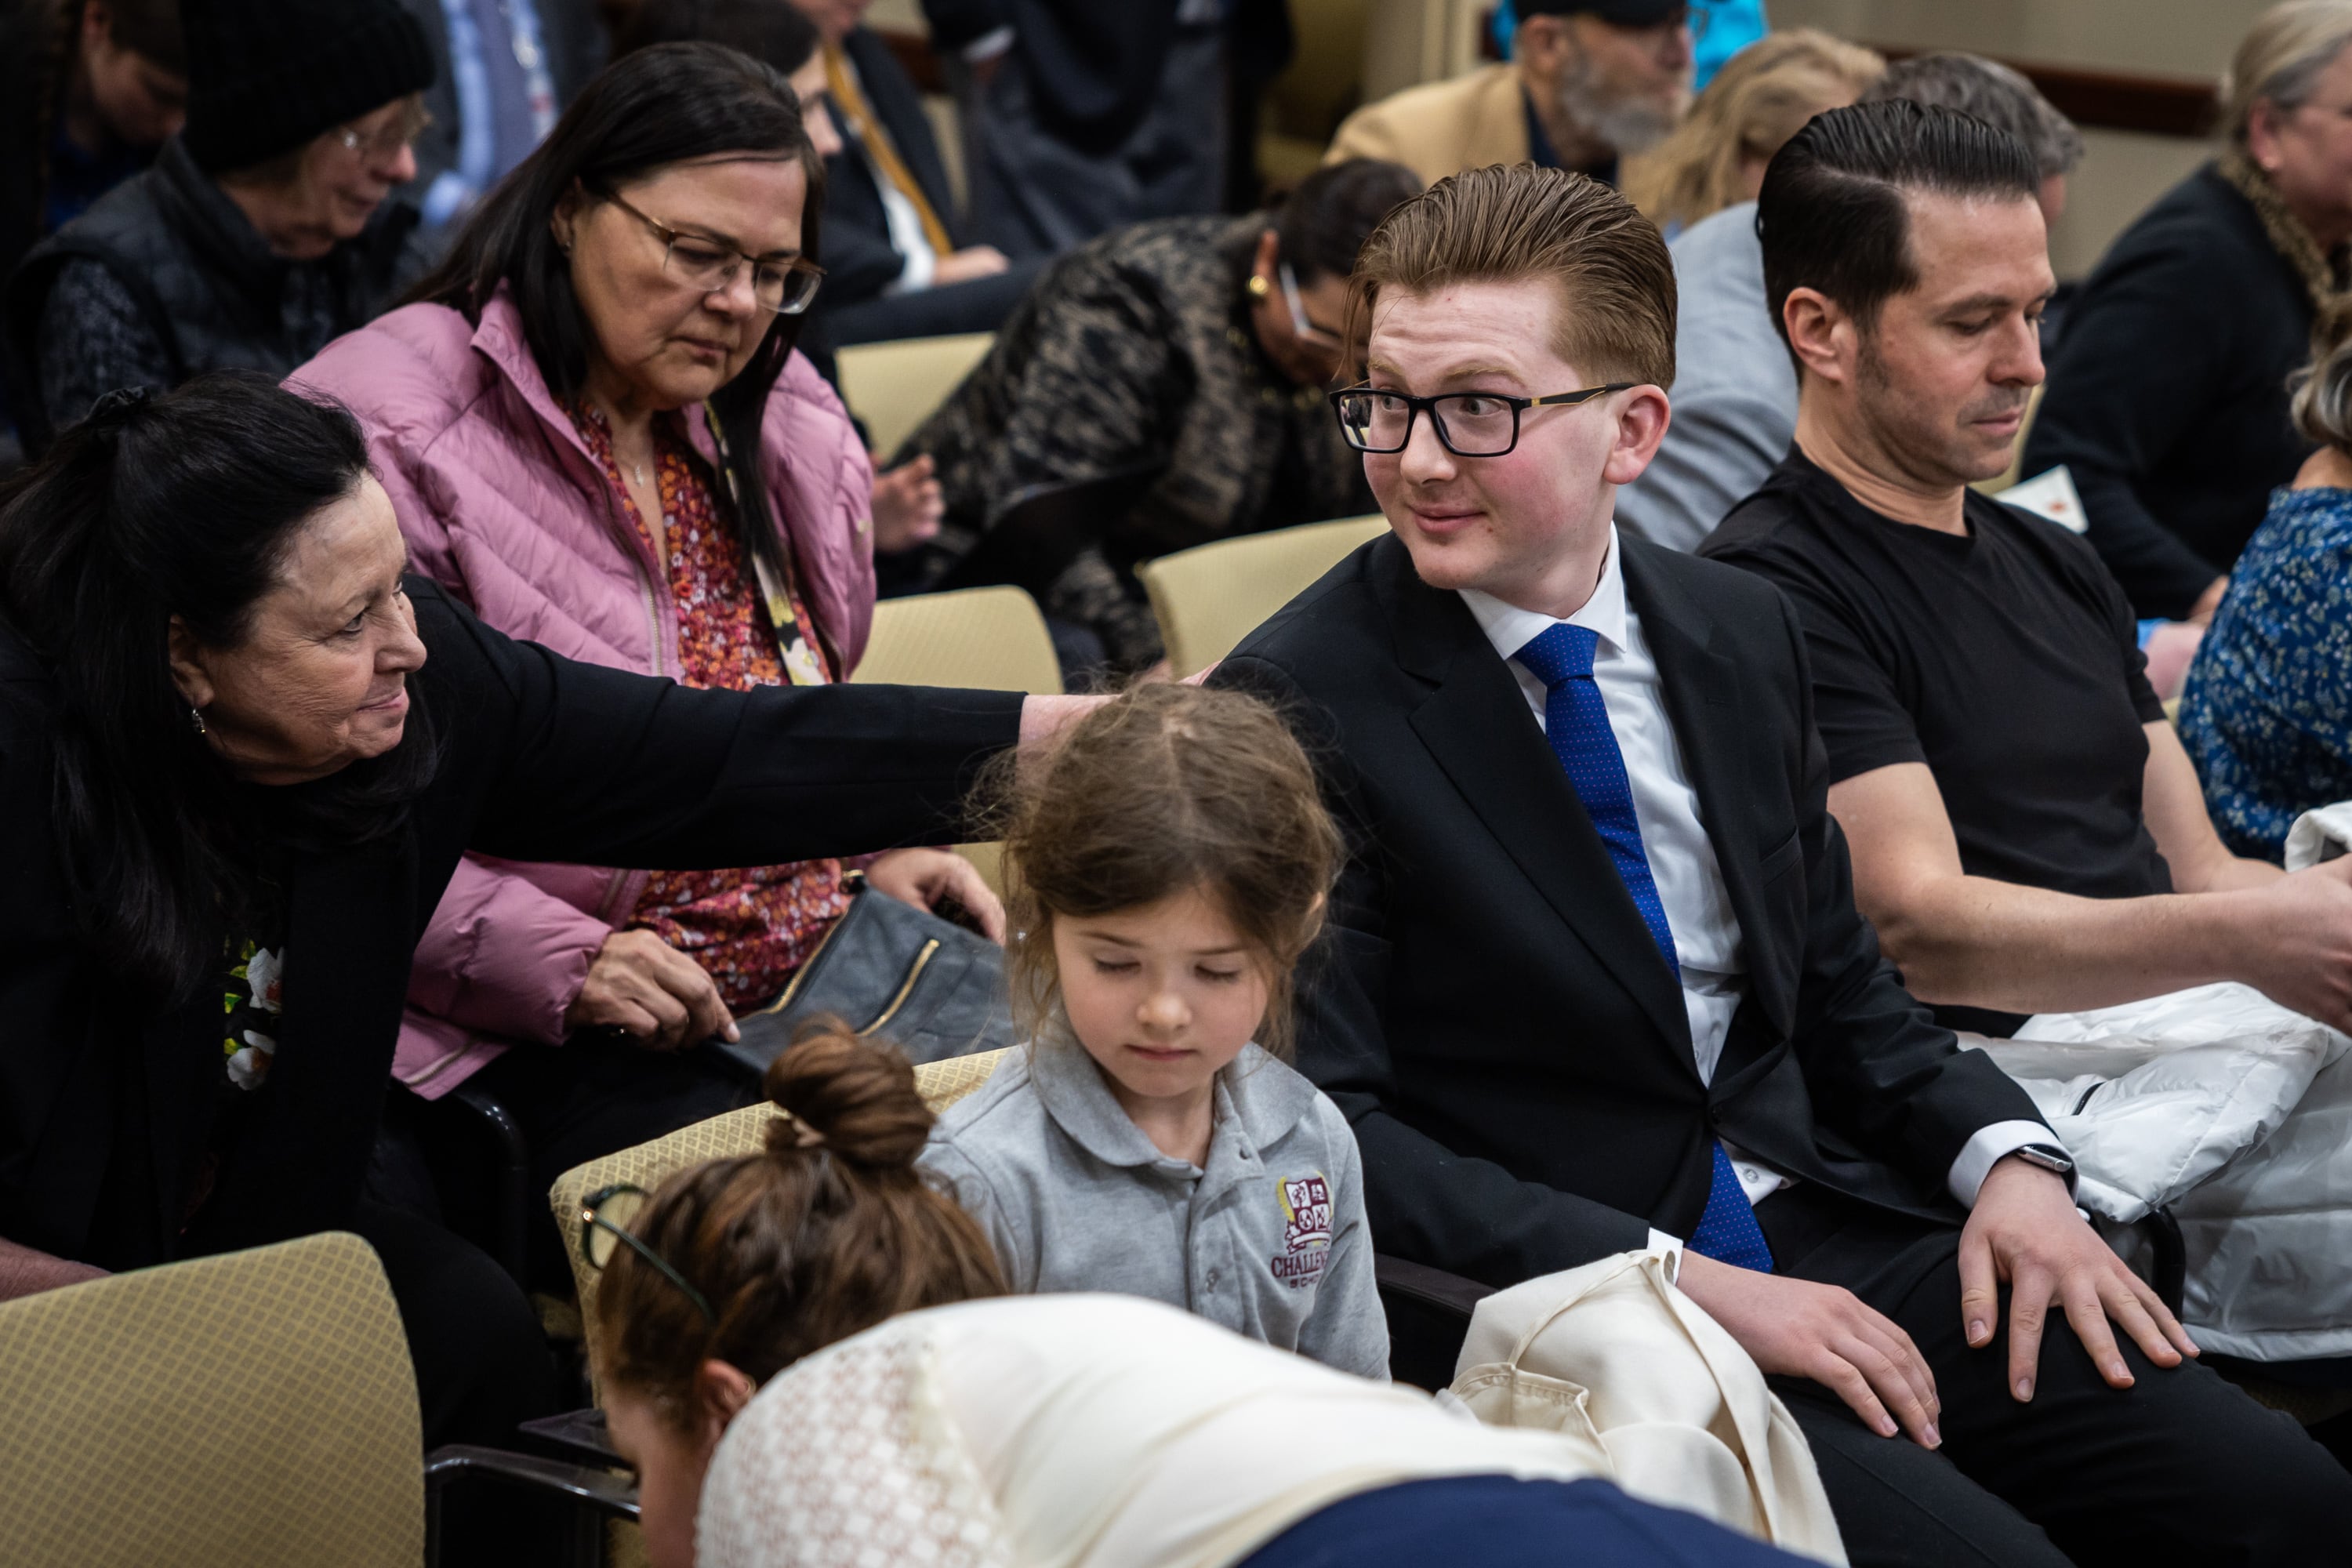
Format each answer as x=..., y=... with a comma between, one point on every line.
x=146, y=28
x=649, y=109
x=185, y=505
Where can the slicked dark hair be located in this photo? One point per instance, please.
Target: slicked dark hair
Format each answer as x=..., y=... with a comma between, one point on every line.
x=1831, y=214
x=656, y=107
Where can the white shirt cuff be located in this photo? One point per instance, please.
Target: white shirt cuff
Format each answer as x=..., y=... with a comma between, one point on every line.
x=989, y=45
x=1988, y=1148
x=1672, y=1246
x=922, y=263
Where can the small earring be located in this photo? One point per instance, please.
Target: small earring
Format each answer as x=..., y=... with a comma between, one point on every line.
x=197, y=718
x=1258, y=287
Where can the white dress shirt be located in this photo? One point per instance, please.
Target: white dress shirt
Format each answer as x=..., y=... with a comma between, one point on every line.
x=1707, y=940
x=919, y=262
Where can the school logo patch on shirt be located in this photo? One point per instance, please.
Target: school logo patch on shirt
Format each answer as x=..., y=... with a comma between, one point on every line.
x=1306, y=1232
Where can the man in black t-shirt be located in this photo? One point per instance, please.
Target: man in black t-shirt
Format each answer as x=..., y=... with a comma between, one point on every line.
x=2028, y=835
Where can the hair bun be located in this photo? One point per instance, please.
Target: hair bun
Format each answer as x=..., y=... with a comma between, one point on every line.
x=854, y=1099
x=116, y=407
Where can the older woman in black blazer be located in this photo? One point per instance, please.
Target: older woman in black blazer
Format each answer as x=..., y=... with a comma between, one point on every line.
x=241, y=752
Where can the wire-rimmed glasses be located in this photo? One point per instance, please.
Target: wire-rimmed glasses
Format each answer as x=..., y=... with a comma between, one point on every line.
x=376, y=146
x=1468, y=424
x=1302, y=326
x=704, y=265
x=603, y=1216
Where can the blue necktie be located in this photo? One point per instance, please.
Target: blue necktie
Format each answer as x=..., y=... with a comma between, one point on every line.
x=1576, y=721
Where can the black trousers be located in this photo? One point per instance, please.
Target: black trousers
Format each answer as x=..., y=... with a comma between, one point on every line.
x=2180, y=1468
x=482, y=1365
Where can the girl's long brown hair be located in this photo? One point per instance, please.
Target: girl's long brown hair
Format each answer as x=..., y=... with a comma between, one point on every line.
x=1166, y=789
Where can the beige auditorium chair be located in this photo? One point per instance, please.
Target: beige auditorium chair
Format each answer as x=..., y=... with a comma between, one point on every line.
x=986, y=639
x=894, y=386
x=744, y=1132
x=251, y=1410
x=1207, y=599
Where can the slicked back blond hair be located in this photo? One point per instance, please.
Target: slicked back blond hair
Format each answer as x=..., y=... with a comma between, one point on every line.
x=1506, y=222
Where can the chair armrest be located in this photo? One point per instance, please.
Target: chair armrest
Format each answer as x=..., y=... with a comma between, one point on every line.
x=1419, y=1283
x=581, y=1433
x=1428, y=1316
x=593, y=1491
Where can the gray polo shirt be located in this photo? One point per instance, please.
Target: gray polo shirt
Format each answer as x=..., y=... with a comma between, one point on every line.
x=1269, y=1239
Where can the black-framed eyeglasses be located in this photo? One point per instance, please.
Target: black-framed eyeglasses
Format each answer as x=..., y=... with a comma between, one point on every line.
x=1468, y=424
x=709, y=267
x=600, y=1230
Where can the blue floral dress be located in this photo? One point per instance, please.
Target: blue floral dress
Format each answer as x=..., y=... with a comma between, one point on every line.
x=2267, y=713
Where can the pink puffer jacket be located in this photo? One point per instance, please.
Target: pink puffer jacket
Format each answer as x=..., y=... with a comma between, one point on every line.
x=502, y=504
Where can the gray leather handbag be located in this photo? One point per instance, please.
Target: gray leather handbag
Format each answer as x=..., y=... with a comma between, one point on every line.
x=893, y=973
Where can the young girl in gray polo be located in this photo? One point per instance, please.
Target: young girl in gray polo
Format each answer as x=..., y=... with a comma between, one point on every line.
x=1166, y=868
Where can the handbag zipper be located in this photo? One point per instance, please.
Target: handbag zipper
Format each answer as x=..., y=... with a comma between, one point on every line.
x=922, y=961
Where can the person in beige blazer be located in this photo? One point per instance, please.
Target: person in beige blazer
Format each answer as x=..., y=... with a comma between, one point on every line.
x=1590, y=82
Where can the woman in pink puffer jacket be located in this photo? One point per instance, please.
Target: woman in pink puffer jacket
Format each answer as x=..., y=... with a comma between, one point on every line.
x=568, y=458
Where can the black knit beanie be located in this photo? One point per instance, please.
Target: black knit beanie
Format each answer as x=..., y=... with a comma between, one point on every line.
x=266, y=76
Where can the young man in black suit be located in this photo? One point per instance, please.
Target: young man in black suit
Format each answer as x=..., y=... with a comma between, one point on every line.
x=1596, y=979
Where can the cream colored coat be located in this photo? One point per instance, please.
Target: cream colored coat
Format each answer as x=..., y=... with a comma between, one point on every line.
x=1440, y=128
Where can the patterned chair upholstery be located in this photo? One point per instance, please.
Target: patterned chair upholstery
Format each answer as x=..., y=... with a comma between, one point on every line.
x=253, y=1409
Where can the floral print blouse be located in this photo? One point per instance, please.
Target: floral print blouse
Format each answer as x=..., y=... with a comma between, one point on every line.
x=2267, y=713
x=748, y=928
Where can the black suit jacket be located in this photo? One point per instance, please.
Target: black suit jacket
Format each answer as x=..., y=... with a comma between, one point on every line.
x=1092, y=68
x=1487, y=1006
x=859, y=260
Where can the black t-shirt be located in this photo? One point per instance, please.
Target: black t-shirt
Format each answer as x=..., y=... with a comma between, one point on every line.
x=2007, y=661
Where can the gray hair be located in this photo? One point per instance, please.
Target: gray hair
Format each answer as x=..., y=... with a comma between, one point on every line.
x=1988, y=90
x=2321, y=389
x=2280, y=59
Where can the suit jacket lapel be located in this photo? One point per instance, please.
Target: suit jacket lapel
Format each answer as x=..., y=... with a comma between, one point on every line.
x=1477, y=726
x=1701, y=689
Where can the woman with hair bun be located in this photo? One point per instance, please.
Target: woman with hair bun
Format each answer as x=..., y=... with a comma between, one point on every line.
x=2267, y=713
x=811, y=1362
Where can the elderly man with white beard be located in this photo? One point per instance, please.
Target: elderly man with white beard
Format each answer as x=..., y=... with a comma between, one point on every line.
x=1590, y=82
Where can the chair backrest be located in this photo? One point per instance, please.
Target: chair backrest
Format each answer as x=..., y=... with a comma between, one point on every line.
x=1209, y=598
x=250, y=1409
x=894, y=386
x=988, y=639
x=744, y=1132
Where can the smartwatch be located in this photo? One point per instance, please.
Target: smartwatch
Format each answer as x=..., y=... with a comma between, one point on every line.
x=2049, y=1156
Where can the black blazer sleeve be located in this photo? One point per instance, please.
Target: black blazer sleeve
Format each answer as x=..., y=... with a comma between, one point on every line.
x=859, y=260
x=565, y=761
x=1469, y=1216
x=959, y=24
